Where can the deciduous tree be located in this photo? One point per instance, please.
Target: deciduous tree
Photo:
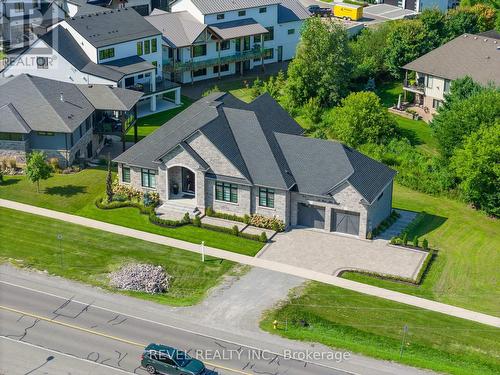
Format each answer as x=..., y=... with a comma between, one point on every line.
x=37, y=168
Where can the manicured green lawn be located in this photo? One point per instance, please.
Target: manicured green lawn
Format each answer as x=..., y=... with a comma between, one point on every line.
x=76, y=194
x=373, y=326
x=419, y=133
x=465, y=272
x=389, y=92
x=88, y=255
x=147, y=125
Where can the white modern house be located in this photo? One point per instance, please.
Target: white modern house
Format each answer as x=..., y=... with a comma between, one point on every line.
x=111, y=47
x=205, y=39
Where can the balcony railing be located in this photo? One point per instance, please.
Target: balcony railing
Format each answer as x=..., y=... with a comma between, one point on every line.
x=147, y=87
x=416, y=87
x=174, y=66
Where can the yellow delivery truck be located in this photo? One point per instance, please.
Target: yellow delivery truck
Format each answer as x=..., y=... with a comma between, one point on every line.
x=348, y=11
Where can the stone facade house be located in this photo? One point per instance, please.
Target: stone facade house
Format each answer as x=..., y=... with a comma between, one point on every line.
x=62, y=119
x=251, y=158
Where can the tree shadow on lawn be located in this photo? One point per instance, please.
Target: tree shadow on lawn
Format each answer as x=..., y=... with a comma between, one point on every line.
x=66, y=190
x=10, y=181
x=428, y=224
x=410, y=135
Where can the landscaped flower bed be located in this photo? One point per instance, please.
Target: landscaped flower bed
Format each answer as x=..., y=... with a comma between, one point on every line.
x=255, y=220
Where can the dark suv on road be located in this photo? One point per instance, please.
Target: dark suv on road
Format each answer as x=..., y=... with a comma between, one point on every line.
x=164, y=359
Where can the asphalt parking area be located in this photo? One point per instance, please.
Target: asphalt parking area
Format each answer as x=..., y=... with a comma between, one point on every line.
x=332, y=253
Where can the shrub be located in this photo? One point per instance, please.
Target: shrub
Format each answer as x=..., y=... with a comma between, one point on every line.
x=197, y=221
x=369, y=235
x=151, y=199
x=54, y=163
x=267, y=223
x=13, y=163
x=415, y=241
x=394, y=240
x=120, y=198
x=247, y=219
x=405, y=239
x=263, y=237
x=1, y=176
x=3, y=164
x=186, y=219
x=235, y=230
x=425, y=244
x=209, y=211
x=128, y=191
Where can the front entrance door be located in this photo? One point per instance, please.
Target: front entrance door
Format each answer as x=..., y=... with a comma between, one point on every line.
x=280, y=53
x=187, y=181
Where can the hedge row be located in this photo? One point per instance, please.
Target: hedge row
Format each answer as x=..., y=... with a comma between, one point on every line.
x=221, y=215
x=154, y=219
x=418, y=280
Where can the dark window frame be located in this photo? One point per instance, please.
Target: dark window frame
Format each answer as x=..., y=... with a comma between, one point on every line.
x=220, y=16
x=226, y=192
x=291, y=31
x=224, y=45
x=266, y=197
x=200, y=72
x=17, y=137
x=242, y=13
x=126, y=174
x=223, y=68
x=269, y=36
x=107, y=53
x=263, y=10
x=148, y=178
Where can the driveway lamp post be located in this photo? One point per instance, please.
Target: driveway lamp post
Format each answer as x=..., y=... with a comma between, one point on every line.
x=203, y=251
x=59, y=240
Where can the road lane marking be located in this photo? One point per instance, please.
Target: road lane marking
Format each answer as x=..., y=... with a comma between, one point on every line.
x=347, y=372
x=65, y=354
x=111, y=337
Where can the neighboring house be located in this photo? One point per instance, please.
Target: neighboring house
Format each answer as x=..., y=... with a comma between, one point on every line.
x=112, y=47
x=251, y=158
x=476, y=56
x=62, y=119
x=204, y=39
x=18, y=21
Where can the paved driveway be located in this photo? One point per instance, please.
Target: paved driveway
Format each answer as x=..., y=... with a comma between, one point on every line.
x=331, y=253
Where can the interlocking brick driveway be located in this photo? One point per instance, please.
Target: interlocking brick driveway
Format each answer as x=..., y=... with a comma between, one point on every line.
x=331, y=253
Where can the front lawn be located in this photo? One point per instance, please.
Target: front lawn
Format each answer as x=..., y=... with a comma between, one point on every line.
x=88, y=255
x=373, y=326
x=465, y=272
x=76, y=194
x=147, y=125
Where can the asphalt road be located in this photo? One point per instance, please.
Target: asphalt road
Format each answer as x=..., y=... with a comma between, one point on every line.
x=76, y=335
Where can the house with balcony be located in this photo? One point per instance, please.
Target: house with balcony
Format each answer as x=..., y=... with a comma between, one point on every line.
x=204, y=39
x=252, y=158
x=64, y=120
x=111, y=47
x=430, y=76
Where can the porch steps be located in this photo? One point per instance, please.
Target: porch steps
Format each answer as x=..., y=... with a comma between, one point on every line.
x=176, y=211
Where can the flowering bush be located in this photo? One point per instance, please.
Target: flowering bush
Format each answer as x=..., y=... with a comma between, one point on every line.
x=151, y=199
x=128, y=191
x=267, y=222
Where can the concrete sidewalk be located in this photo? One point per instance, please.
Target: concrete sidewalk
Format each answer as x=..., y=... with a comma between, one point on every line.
x=262, y=263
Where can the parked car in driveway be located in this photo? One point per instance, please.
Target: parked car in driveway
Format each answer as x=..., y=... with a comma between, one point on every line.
x=162, y=359
x=316, y=10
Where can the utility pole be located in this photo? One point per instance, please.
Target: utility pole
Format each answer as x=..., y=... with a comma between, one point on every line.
x=405, y=331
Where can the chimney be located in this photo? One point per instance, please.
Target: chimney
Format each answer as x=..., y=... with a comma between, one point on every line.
x=62, y=97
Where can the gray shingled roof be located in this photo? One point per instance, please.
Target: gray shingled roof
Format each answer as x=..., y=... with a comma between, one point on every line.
x=292, y=10
x=216, y=6
x=130, y=65
x=238, y=28
x=266, y=145
x=112, y=26
x=61, y=41
x=466, y=55
x=12, y=121
x=110, y=98
x=147, y=151
x=179, y=29
x=38, y=103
